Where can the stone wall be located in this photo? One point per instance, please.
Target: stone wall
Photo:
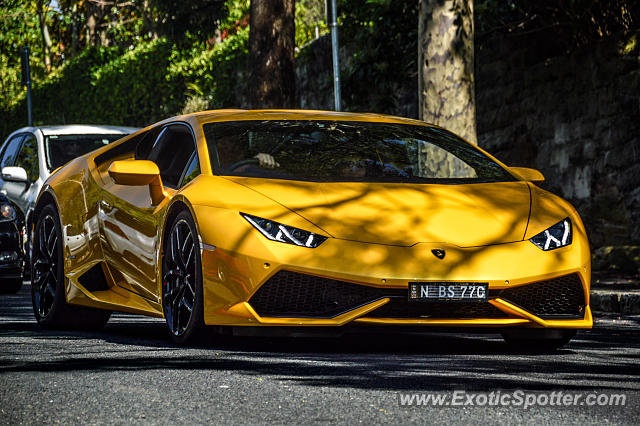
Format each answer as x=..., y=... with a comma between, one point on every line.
x=575, y=117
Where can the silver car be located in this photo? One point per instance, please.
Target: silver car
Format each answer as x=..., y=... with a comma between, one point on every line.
x=29, y=155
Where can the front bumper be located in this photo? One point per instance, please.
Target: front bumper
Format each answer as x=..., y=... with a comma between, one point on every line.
x=234, y=280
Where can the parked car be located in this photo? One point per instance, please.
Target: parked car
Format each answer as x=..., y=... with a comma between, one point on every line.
x=30, y=154
x=11, y=253
x=308, y=218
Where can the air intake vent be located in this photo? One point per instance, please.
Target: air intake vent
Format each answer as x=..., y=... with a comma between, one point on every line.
x=557, y=297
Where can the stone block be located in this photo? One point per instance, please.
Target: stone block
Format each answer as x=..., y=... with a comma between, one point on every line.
x=604, y=302
x=629, y=303
x=618, y=259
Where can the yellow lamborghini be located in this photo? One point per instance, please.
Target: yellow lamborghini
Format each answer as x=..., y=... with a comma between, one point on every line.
x=307, y=218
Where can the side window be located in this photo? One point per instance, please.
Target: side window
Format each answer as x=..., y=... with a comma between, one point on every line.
x=28, y=157
x=171, y=152
x=10, y=151
x=193, y=170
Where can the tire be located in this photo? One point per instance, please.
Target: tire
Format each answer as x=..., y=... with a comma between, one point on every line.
x=537, y=340
x=47, y=280
x=182, y=281
x=11, y=285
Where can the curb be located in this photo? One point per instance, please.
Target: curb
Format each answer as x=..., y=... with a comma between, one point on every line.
x=623, y=302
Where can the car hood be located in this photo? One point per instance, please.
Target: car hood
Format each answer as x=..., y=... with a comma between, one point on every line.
x=467, y=215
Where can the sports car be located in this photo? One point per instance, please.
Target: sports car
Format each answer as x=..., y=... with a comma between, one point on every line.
x=286, y=218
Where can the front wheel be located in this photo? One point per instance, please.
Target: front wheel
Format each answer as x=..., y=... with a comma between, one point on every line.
x=182, y=280
x=47, y=280
x=537, y=339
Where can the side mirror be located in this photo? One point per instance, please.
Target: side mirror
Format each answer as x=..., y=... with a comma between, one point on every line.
x=138, y=173
x=530, y=175
x=15, y=174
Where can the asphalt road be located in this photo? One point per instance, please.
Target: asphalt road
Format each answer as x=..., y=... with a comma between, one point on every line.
x=130, y=373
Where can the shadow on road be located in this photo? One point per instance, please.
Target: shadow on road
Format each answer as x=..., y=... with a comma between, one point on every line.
x=401, y=361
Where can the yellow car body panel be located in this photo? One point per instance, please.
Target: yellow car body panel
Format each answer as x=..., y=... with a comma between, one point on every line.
x=379, y=235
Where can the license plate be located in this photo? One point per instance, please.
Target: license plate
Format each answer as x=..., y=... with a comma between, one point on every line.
x=469, y=292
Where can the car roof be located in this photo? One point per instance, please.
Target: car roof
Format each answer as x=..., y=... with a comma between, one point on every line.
x=80, y=129
x=85, y=129
x=289, y=114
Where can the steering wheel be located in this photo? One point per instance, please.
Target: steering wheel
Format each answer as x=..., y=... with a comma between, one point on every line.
x=243, y=163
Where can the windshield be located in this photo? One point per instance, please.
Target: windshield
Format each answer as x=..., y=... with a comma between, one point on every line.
x=60, y=149
x=338, y=151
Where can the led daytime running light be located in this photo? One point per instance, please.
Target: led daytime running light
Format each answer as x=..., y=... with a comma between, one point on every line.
x=556, y=236
x=285, y=234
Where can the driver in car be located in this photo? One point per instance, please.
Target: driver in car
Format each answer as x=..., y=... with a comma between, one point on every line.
x=232, y=151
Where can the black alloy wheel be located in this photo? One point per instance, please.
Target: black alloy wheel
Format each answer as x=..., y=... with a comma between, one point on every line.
x=182, y=280
x=48, y=281
x=47, y=267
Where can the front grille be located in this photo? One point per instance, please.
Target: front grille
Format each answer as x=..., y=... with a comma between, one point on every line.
x=299, y=295
x=557, y=297
x=402, y=308
x=290, y=294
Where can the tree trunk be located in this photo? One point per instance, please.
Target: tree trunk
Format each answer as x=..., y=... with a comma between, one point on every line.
x=271, y=54
x=46, y=39
x=95, y=14
x=446, y=67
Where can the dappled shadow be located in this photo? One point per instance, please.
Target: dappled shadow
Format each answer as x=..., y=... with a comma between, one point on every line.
x=390, y=359
x=400, y=362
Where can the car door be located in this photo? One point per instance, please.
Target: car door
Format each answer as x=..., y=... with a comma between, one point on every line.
x=25, y=193
x=131, y=222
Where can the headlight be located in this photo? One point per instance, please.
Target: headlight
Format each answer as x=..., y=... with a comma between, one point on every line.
x=7, y=213
x=285, y=234
x=559, y=235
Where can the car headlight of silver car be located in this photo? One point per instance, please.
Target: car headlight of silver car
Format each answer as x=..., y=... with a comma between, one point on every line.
x=556, y=236
x=283, y=233
x=7, y=212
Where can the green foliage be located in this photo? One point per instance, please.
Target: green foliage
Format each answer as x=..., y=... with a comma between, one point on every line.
x=138, y=86
x=568, y=23
x=310, y=16
x=18, y=27
x=384, y=34
x=199, y=18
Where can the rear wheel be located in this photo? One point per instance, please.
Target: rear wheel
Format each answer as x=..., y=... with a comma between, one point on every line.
x=182, y=280
x=537, y=339
x=47, y=280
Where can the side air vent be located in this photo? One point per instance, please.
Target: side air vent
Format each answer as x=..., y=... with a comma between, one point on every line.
x=94, y=279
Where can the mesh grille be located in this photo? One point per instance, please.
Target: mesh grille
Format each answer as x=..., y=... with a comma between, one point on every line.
x=299, y=295
x=555, y=297
x=399, y=308
x=290, y=294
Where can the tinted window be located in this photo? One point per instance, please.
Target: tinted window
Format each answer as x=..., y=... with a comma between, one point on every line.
x=348, y=151
x=10, y=151
x=60, y=149
x=171, y=152
x=28, y=157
